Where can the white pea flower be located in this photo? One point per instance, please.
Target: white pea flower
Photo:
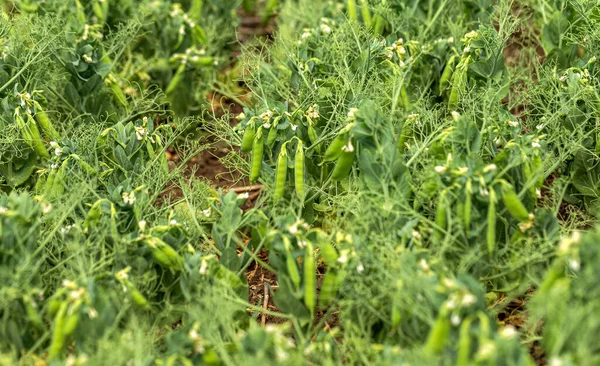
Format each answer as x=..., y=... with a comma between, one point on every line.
x=3, y=210
x=538, y=193
x=352, y=112
x=325, y=29
x=455, y=320
x=207, y=212
x=343, y=258
x=203, y=267
x=539, y=127
x=415, y=234
x=513, y=123
x=173, y=222
x=440, y=169
x=294, y=127
x=142, y=225
x=360, y=268
x=302, y=244
x=451, y=40
x=243, y=196
x=575, y=265
x=509, y=332
x=536, y=144
x=424, y=265
x=455, y=115
x=489, y=168
x=348, y=147
x=468, y=300
x=293, y=229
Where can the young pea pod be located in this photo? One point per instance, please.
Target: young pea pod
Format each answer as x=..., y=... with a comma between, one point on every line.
x=513, y=203
x=366, y=14
x=36, y=138
x=438, y=335
x=344, y=164
x=441, y=217
x=248, y=138
x=257, y=156
x=328, y=253
x=329, y=288
x=335, y=148
x=464, y=343
x=537, y=169
x=459, y=83
x=352, y=11
x=32, y=313
x=299, y=171
x=310, y=279
x=312, y=134
x=117, y=91
x=42, y=119
x=139, y=299
x=447, y=73
x=272, y=135
x=378, y=24
x=164, y=254
x=58, y=337
x=280, y=173
x=176, y=79
x=491, y=223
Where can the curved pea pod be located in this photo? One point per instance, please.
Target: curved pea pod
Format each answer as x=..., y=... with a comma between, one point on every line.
x=280, y=173
x=464, y=343
x=491, y=223
x=36, y=138
x=138, y=299
x=45, y=124
x=310, y=279
x=334, y=150
x=468, y=204
x=58, y=337
x=513, y=203
x=71, y=322
x=441, y=217
x=100, y=9
x=299, y=171
x=459, y=83
x=176, y=79
x=257, y=156
x=118, y=92
x=32, y=313
x=438, y=335
x=447, y=73
x=329, y=287
x=272, y=135
x=93, y=215
x=203, y=61
x=312, y=134
x=352, y=10
x=248, y=138
x=164, y=254
x=405, y=134
x=344, y=164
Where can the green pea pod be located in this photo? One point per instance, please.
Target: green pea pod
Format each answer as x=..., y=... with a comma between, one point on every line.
x=80, y=12
x=280, y=173
x=459, y=83
x=310, y=279
x=138, y=299
x=491, y=223
x=366, y=14
x=45, y=124
x=513, y=203
x=118, y=93
x=441, y=217
x=257, y=156
x=299, y=171
x=291, y=265
x=464, y=343
x=164, y=254
x=438, y=335
x=447, y=73
x=36, y=138
x=344, y=164
x=352, y=11
x=396, y=316
x=248, y=138
x=176, y=79
x=312, y=134
x=329, y=287
x=58, y=337
x=404, y=97
x=468, y=205
x=378, y=24
x=527, y=174
x=71, y=322
x=32, y=313
x=272, y=136
x=334, y=150
x=328, y=253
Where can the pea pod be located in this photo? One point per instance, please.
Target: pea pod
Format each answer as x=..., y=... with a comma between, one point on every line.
x=329, y=288
x=328, y=253
x=513, y=203
x=248, y=138
x=464, y=343
x=334, y=150
x=447, y=73
x=139, y=299
x=378, y=24
x=36, y=138
x=291, y=265
x=257, y=156
x=280, y=173
x=459, y=83
x=344, y=164
x=312, y=134
x=32, y=313
x=438, y=335
x=527, y=174
x=491, y=223
x=117, y=91
x=441, y=217
x=366, y=14
x=299, y=171
x=164, y=254
x=176, y=79
x=272, y=135
x=352, y=11
x=58, y=337
x=537, y=168
x=310, y=274
x=42, y=119
x=71, y=322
